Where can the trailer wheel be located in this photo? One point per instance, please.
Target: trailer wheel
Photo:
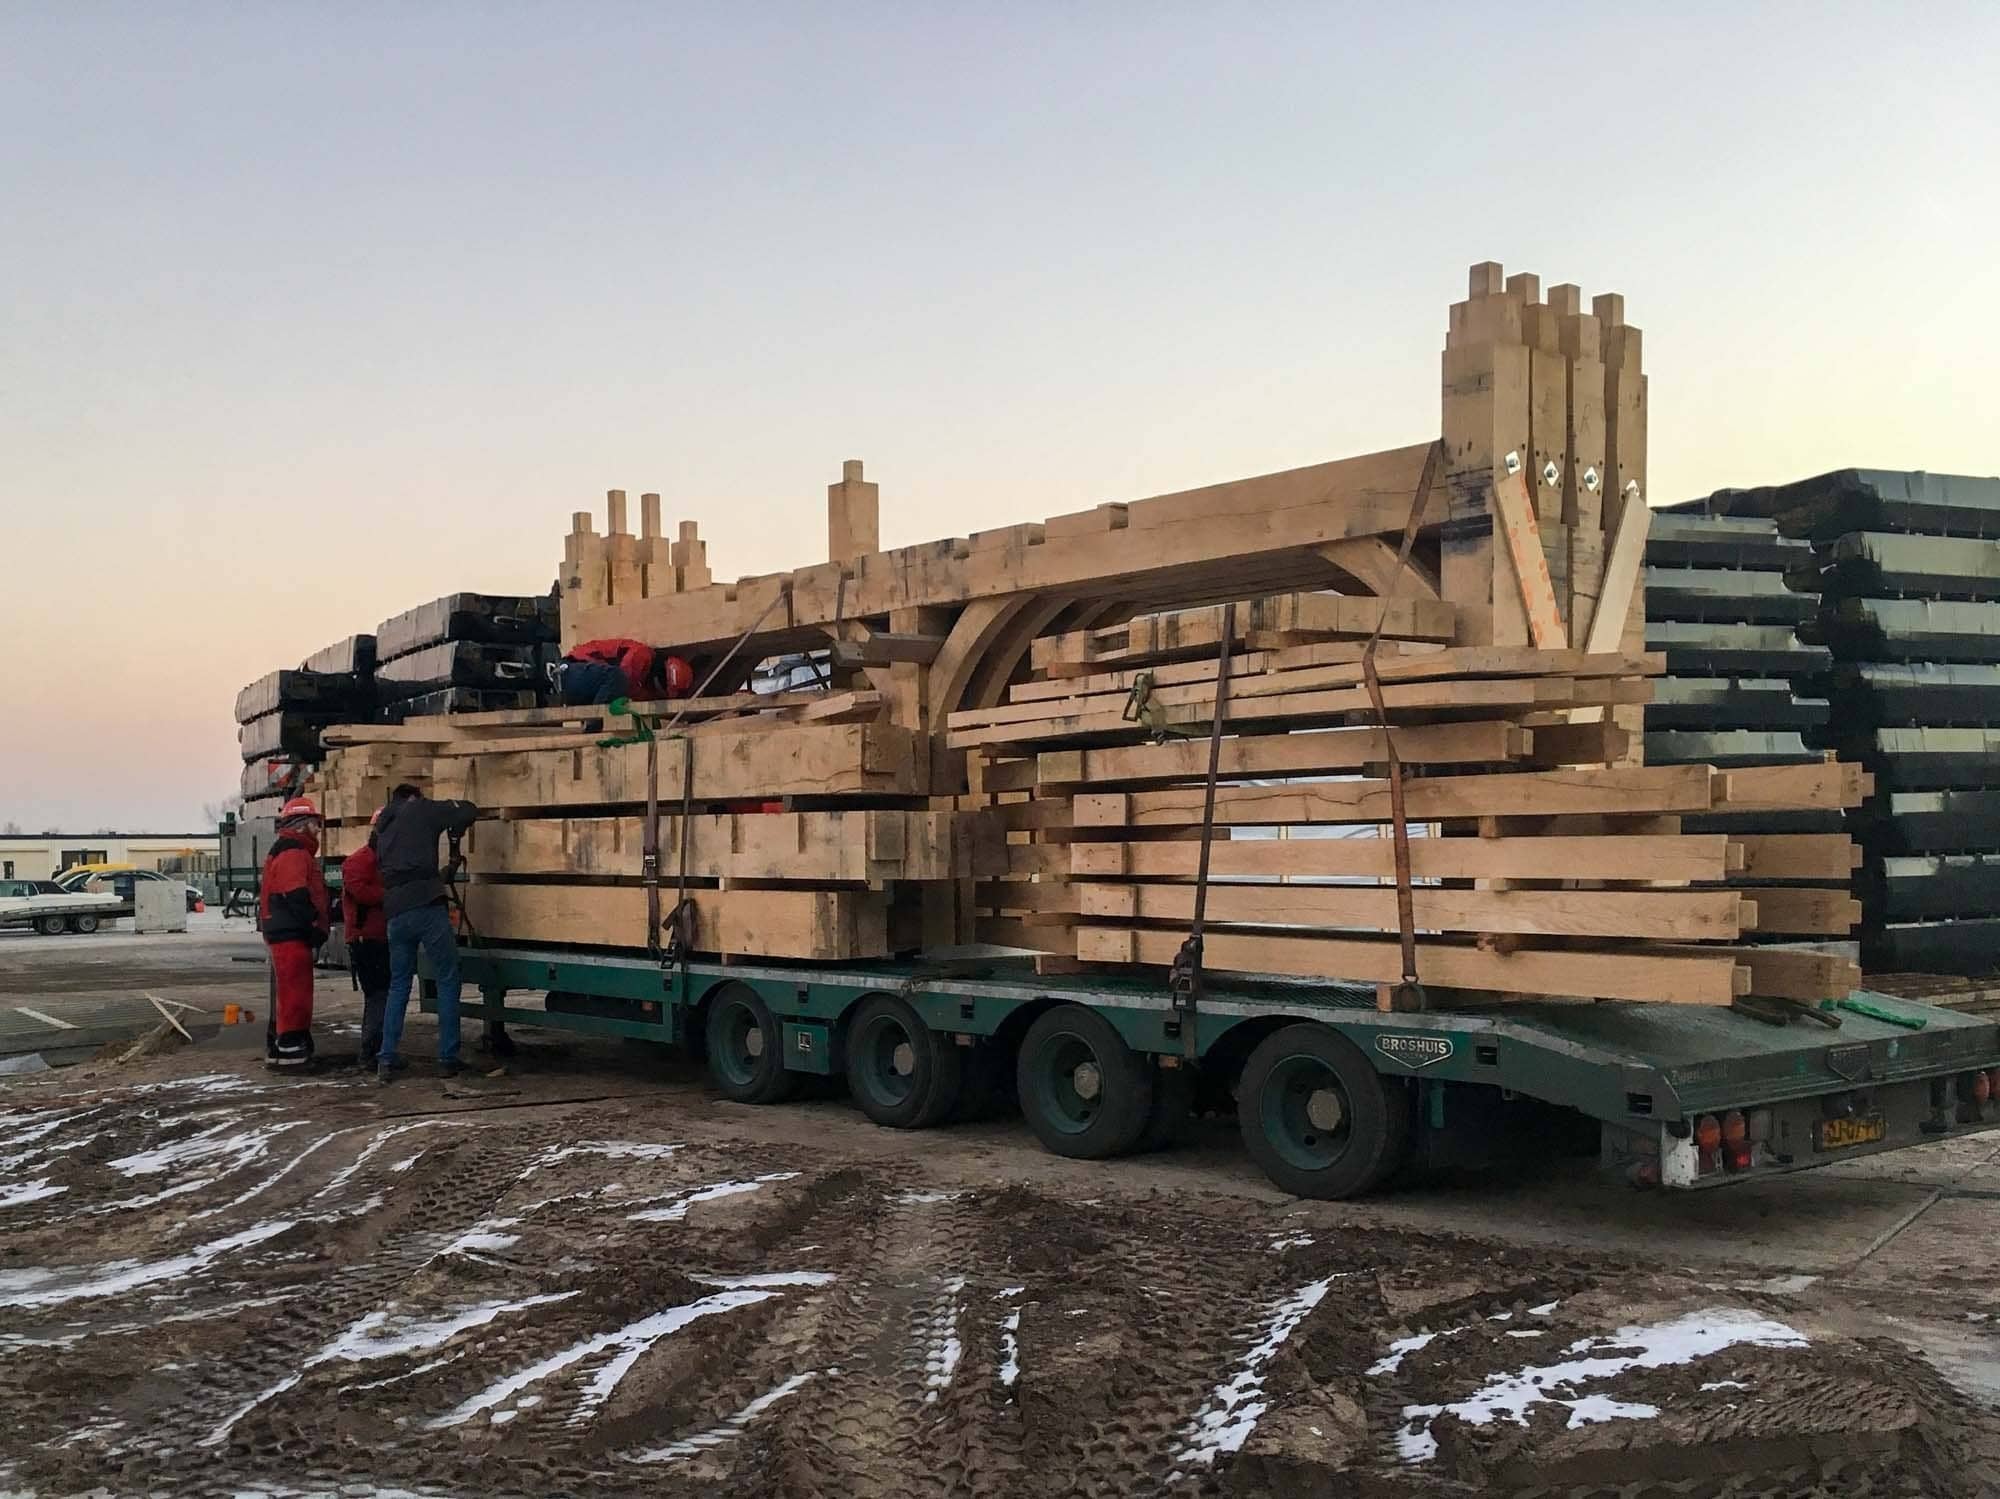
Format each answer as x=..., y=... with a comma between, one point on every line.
x=1084, y=1092
x=51, y=926
x=1317, y=1118
x=745, y=1058
x=901, y=1073
x=1171, y=1118
x=85, y=923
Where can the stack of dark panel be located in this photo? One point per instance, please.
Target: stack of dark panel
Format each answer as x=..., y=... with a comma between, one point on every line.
x=1738, y=690
x=281, y=714
x=466, y=653
x=1907, y=571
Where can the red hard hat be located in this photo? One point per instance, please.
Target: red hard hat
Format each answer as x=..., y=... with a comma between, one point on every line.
x=298, y=806
x=676, y=676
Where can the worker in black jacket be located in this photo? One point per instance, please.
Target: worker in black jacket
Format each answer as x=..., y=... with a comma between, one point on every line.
x=413, y=896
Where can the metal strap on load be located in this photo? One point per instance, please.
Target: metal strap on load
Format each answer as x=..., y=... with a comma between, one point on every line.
x=679, y=923
x=1409, y=993
x=1184, y=978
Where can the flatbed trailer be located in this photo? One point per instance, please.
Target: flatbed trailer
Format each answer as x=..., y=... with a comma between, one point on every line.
x=1332, y=1094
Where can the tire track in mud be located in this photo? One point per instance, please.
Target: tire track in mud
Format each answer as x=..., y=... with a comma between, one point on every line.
x=616, y=1299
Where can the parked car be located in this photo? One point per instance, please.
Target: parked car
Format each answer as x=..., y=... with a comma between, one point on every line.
x=49, y=908
x=118, y=879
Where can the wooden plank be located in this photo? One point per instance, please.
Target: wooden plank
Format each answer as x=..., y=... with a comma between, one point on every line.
x=1414, y=700
x=1283, y=754
x=1629, y=857
x=1793, y=788
x=1198, y=632
x=1784, y=972
x=1188, y=537
x=1514, y=514
x=1708, y=979
x=885, y=648
x=1272, y=674
x=1798, y=856
x=816, y=761
x=1678, y=915
x=1801, y=910
x=1657, y=788
x=861, y=847
x=827, y=925
x=1012, y=931
x=1623, y=559
x=1024, y=895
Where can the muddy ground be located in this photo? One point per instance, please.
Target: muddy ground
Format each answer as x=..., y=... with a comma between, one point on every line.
x=591, y=1277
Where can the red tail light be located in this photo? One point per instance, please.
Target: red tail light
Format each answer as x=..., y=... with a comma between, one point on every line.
x=1738, y=1157
x=1982, y=1087
x=1734, y=1129
x=1707, y=1132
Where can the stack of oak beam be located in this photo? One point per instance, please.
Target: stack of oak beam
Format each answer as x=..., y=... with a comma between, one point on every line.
x=979, y=762
x=1543, y=865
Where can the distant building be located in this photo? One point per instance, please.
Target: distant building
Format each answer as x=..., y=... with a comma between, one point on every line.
x=37, y=856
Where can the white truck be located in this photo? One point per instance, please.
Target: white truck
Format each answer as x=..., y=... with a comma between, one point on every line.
x=50, y=909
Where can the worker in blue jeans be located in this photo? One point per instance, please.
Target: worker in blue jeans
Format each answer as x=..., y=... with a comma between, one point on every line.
x=413, y=895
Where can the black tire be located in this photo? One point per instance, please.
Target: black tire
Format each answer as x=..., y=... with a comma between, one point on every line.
x=86, y=923
x=1083, y=1091
x=1171, y=1119
x=745, y=1053
x=900, y=1072
x=1317, y=1118
x=51, y=926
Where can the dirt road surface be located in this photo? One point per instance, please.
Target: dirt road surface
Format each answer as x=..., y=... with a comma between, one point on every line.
x=589, y=1276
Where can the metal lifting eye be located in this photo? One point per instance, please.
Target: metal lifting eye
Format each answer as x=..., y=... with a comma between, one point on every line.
x=1590, y=480
x=1512, y=463
x=1550, y=473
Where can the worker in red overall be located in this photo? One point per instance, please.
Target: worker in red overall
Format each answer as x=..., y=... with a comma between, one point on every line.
x=600, y=671
x=294, y=916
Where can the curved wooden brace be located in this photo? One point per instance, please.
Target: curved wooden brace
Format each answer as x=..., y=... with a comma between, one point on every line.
x=975, y=629
x=1003, y=657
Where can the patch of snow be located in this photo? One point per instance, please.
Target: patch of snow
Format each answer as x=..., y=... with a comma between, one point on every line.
x=675, y=1211
x=1010, y=1291
x=616, y=1150
x=1531, y=1332
x=1234, y=1407
x=381, y=1335
x=728, y=1429
x=923, y=1199
x=204, y=1145
x=942, y=1348
x=1401, y=1348
x=1010, y=1350
x=1546, y=1309
x=627, y=1346
x=268, y=1182
x=1593, y=1360
x=1781, y=1285
x=1294, y=1241
x=407, y=1162
x=476, y=1238
x=26, y=1192
x=1724, y=1384
x=769, y=1280
x=43, y=1287
x=346, y=1173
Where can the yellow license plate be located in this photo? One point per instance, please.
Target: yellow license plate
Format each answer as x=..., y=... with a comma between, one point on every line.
x=1839, y=1134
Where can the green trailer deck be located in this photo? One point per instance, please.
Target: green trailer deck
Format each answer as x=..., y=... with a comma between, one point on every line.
x=1332, y=1094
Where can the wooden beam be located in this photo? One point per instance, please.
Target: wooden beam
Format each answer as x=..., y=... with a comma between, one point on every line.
x=1706, y=979
x=1678, y=915
x=867, y=647
x=1170, y=541
x=1282, y=754
x=853, y=515
x=866, y=846
x=1514, y=514
x=1624, y=557
x=1372, y=562
x=826, y=925
x=1659, y=788
x=1704, y=857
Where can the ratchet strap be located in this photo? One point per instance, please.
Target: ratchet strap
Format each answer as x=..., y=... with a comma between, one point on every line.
x=679, y=922
x=1184, y=978
x=1409, y=993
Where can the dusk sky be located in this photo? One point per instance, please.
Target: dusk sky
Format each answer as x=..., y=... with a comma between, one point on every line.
x=315, y=312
